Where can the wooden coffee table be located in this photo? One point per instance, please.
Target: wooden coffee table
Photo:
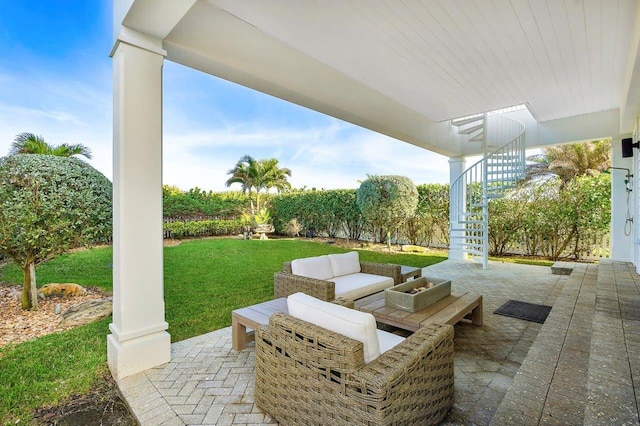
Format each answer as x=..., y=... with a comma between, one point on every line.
x=449, y=310
x=253, y=317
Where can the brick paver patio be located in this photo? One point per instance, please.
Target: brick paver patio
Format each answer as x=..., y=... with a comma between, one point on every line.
x=582, y=366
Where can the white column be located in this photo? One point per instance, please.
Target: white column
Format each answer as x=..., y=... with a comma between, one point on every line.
x=138, y=339
x=457, y=165
x=621, y=244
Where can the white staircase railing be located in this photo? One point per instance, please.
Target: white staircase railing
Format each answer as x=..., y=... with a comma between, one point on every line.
x=487, y=179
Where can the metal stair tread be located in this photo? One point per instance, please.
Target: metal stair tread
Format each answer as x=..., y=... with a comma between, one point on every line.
x=463, y=121
x=472, y=129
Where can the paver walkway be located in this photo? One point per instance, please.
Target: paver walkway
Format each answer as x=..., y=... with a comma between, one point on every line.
x=581, y=366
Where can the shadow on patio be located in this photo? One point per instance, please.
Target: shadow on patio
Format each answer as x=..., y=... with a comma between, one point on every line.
x=582, y=366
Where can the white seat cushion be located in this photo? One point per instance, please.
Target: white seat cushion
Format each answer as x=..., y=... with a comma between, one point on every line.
x=357, y=325
x=345, y=263
x=387, y=340
x=359, y=285
x=318, y=267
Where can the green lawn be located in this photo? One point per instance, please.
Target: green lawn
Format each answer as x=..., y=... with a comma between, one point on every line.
x=204, y=281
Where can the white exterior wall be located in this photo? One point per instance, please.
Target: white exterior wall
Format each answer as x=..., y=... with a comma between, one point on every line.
x=621, y=244
x=635, y=247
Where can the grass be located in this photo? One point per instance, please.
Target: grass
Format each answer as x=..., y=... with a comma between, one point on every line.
x=523, y=260
x=49, y=370
x=204, y=281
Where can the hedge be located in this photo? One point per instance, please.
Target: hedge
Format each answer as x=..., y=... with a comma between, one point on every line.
x=201, y=228
x=543, y=220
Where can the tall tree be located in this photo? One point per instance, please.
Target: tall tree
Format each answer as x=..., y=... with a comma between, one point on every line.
x=244, y=173
x=258, y=175
x=571, y=160
x=28, y=143
x=271, y=175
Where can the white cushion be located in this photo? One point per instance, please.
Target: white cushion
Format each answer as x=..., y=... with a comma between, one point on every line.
x=359, y=285
x=357, y=325
x=387, y=340
x=345, y=263
x=318, y=267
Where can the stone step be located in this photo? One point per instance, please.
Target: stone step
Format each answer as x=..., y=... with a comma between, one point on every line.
x=562, y=268
x=585, y=361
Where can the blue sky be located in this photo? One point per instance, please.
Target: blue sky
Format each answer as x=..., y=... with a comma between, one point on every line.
x=56, y=81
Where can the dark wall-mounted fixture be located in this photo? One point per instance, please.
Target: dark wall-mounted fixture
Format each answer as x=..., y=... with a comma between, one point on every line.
x=627, y=147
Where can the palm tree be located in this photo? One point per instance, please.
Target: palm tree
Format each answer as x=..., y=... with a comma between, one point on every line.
x=244, y=173
x=571, y=160
x=258, y=175
x=270, y=175
x=28, y=143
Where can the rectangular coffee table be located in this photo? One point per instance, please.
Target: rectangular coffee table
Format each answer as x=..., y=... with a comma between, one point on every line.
x=449, y=310
x=252, y=317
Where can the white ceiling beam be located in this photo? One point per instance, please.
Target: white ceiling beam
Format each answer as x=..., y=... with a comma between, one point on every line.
x=580, y=128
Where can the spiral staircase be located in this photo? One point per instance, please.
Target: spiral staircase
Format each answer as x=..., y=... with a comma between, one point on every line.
x=489, y=178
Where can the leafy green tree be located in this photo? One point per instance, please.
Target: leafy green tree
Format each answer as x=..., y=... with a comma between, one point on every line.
x=387, y=201
x=571, y=160
x=258, y=175
x=28, y=143
x=48, y=205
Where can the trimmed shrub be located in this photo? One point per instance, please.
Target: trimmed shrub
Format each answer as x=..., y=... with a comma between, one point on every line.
x=202, y=228
x=387, y=202
x=48, y=205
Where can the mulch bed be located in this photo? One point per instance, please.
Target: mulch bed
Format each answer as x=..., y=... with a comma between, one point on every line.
x=18, y=325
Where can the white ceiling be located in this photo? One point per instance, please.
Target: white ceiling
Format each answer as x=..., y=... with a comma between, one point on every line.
x=399, y=66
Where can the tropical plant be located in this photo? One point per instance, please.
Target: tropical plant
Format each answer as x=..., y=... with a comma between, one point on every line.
x=293, y=228
x=387, y=201
x=263, y=217
x=571, y=160
x=28, y=143
x=49, y=205
x=258, y=175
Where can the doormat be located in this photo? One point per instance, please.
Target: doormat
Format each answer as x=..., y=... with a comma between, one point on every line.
x=524, y=311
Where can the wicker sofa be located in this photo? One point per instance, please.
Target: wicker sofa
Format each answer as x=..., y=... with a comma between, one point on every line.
x=308, y=375
x=345, y=276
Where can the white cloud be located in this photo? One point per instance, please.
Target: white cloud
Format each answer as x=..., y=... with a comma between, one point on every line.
x=334, y=156
x=208, y=125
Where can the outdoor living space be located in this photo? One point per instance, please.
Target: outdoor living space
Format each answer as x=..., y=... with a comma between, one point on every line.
x=582, y=366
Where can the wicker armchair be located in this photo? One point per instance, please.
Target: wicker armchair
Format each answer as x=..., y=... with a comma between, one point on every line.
x=285, y=283
x=308, y=375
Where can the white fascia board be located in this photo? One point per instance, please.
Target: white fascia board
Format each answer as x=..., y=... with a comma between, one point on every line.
x=147, y=20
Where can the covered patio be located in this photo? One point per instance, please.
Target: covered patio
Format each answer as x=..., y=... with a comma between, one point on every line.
x=582, y=366
x=412, y=70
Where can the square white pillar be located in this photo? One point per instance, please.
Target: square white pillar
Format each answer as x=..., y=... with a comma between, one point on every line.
x=138, y=339
x=457, y=166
